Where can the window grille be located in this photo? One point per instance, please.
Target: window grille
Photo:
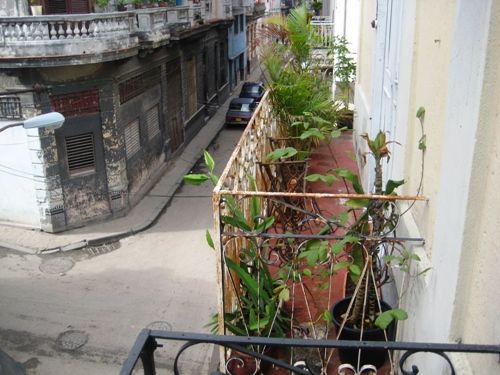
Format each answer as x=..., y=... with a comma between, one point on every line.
x=10, y=107
x=132, y=138
x=152, y=122
x=137, y=85
x=80, y=152
x=76, y=103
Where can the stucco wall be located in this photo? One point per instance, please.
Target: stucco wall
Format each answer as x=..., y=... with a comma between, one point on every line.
x=453, y=302
x=478, y=300
x=18, y=198
x=429, y=86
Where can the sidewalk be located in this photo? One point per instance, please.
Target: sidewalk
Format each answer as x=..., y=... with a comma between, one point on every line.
x=140, y=217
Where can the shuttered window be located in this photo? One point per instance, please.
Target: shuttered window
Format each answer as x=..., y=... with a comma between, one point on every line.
x=132, y=138
x=80, y=153
x=152, y=122
x=67, y=6
x=10, y=107
x=192, y=99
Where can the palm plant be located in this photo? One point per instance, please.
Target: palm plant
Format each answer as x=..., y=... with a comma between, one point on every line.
x=298, y=87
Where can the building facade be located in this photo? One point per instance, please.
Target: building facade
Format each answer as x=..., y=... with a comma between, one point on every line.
x=441, y=57
x=135, y=87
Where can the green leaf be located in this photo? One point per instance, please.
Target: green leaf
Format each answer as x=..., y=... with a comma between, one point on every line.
x=214, y=179
x=357, y=203
x=265, y=224
x=235, y=222
x=420, y=113
x=392, y=185
x=336, y=133
x=422, y=143
x=344, y=217
x=262, y=323
x=250, y=283
x=210, y=242
x=282, y=153
x=327, y=316
x=352, y=178
x=354, y=269
x=307, y=272
x=328, y=179
x=284, y=295
x=313, y=177
x=312, y=133
x=340, y=266
x=195, y=178
x=386, y=318
x=209, y=161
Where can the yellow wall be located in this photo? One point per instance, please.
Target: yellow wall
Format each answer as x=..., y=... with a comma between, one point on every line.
x=429, y=85
x=478, y=303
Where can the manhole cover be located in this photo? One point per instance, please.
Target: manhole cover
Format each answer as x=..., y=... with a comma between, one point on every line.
x=160, y=325
x=72, y=339
x=56, y=265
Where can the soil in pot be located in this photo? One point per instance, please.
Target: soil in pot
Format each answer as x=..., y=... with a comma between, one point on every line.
x=374, y=357
x=345, y=120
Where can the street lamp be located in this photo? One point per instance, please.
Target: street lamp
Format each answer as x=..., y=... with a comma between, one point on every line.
x=52, y=120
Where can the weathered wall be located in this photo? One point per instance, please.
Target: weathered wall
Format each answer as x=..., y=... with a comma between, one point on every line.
x=14, y=8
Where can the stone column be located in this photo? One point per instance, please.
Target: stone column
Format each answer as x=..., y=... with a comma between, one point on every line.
x=114, y=148
x=47, y=180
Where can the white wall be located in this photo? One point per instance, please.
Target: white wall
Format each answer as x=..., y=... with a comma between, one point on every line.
x=18, y=202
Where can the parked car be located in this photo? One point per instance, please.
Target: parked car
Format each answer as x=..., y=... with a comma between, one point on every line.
x=253, y=90
x=240, y=111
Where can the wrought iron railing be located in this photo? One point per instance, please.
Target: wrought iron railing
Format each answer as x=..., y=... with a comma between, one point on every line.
x=142, y=353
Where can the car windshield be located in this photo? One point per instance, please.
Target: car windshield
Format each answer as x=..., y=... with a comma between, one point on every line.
x=251, y=89
x=242, y=107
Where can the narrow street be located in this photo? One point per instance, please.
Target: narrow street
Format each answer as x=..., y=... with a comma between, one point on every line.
x=79, y=312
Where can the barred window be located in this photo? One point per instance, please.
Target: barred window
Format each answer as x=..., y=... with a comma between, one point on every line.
x=10, y=107
x=80, y=152
x=137, y=85
x=76, y=103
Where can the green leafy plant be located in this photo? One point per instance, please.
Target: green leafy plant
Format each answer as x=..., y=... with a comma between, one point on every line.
x=259, y=309
x=102, y=3
x=300, y=91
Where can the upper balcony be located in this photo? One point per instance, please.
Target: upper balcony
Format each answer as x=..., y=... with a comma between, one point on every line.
x=62, y=39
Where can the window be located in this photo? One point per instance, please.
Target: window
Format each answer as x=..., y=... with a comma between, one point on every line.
x=132, y=138
x=76, y=103
x=236, y=18
x=80, y=153
x=138, y=84
x=241, y=22
x=10, y=107
x=152, y=122
x=192, y=95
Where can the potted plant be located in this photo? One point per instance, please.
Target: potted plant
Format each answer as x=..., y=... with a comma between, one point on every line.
x=363, y=315
x=317, y=6
x=101, y=5
x=345, y=73
x=138, y=4
x=121, y=5
x=36, y=7
x=259, y=309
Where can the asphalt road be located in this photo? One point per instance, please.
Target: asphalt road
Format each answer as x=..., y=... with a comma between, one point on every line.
x=80, y=312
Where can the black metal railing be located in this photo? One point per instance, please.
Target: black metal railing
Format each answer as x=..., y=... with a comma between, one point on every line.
x=148, y=341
